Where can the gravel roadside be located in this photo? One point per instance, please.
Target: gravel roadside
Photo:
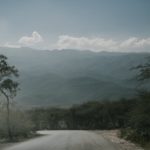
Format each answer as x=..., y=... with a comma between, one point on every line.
x=4, y=145
x=113, y=136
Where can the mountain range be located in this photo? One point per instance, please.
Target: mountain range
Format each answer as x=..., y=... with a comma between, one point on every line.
x=67, y=77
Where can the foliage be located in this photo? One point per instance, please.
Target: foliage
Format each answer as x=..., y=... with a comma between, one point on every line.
x=7, y=73
x=90, y=115
x=144, y=71
x=13, y=123
x=20, y=125
x=139, y=121
x=139, y=117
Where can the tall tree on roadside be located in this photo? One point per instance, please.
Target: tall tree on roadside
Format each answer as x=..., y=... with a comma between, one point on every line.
x=8, y=87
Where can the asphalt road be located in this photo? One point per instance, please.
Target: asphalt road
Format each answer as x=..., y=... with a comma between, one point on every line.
x=66, y=140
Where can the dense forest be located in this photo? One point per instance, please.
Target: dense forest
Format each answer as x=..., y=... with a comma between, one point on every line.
x=90, y=115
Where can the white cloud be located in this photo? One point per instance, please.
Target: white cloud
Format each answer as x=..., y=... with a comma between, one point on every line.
x=11, y=45
x=131, y=42
x=135, y=42
x=32, y=40
x=66, y=42
x=97, y=44
x=100, y=44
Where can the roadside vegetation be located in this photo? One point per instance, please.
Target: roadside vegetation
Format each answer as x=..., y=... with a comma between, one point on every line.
x=20, y=126
x=129, y=115
x=13, y=123
x=132, y=116
x=138, y=128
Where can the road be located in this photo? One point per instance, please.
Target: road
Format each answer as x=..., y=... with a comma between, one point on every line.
x=66, y=140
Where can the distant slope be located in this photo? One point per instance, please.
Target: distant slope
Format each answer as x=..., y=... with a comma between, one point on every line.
x=69, y=76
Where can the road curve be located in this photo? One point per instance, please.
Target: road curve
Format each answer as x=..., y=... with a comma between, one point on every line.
x=66, y=140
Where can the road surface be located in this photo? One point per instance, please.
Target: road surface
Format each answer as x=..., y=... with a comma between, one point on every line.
x=66, y=140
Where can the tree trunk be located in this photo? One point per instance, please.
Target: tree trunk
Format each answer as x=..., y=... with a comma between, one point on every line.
x=10, y=136
x=8, y=120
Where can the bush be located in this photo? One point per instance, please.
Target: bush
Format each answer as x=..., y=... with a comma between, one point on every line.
x=138, y=125
x=21, y=126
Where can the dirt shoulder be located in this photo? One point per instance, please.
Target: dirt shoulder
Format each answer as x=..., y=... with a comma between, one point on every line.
x=4, y=145
x=113, y=136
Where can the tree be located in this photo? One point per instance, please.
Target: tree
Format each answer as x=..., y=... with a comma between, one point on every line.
x=144, y=71
x=8, y=87
x=139, y=119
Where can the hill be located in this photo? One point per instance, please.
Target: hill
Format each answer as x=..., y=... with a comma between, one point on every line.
x=69, y=76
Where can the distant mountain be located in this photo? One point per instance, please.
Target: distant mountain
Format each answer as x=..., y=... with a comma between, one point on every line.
x=69, y=76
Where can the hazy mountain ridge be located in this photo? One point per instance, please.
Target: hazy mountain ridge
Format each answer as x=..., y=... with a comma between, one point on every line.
x=70, y=76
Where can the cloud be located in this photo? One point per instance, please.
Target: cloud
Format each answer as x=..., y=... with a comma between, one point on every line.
x=11, y=45
x=32, y=40
x=101, y=44
x=96, y=44
x=135, y=42
x=69, y=42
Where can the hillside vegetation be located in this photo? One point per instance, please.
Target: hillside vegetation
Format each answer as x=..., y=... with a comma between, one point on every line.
x=63, y=78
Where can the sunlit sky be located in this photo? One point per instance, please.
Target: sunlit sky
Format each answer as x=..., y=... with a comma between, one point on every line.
x=111, y=25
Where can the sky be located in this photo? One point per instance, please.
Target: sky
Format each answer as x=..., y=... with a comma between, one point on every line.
x=97, y=25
